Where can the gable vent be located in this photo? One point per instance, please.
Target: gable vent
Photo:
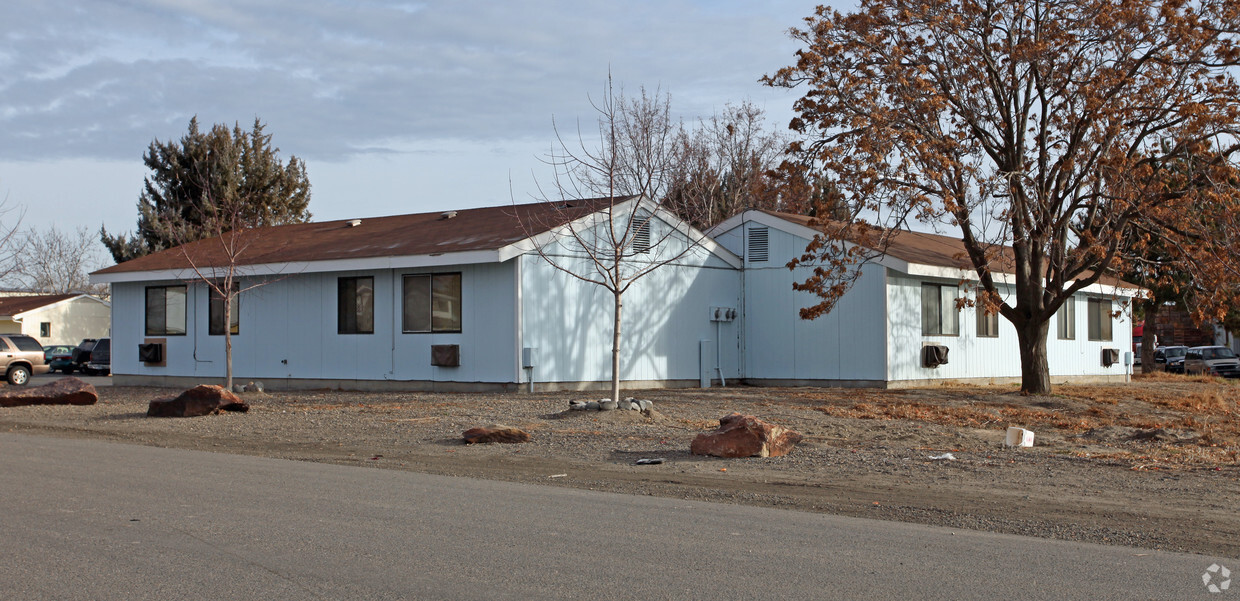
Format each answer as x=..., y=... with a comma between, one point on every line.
x=759, y=250
x=641, y=237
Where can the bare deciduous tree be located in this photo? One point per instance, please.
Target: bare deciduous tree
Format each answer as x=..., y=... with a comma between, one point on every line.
x=10, y=227
x=57, y=262
x=627, y=174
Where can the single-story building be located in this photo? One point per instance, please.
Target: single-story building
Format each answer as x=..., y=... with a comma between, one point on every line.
x=461, y=300
x=470, y=300
x=901, y=303
x=55, y=318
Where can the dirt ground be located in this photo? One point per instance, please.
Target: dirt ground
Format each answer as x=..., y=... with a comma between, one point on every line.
x=1150, y=464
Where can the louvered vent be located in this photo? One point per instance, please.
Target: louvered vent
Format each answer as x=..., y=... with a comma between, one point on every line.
x=758, y=248
x=641, y=236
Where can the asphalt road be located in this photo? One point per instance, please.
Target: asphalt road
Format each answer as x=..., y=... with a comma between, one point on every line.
x=85, y=519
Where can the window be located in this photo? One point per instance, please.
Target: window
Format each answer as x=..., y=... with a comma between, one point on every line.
x=938, y=310
x=216, y=309
x=45, y=329
x=987, y=323
x=165, y=311
x=759, y=247
x=1066, y=319
x=355, y=305
x=1099, y=319
x=431, y=303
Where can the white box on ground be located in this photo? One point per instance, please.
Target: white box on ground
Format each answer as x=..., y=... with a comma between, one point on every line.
x=1018, y=437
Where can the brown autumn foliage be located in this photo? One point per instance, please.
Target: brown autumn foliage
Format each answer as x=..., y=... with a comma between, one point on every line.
x=1041, y=133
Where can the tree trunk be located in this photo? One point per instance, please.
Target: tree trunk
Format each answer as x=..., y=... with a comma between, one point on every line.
x=1148, y=339
x=615, y=349
x=1035, y=372
x=228, y=376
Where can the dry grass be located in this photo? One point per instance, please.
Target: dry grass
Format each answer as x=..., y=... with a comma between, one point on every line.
x=1176, y=420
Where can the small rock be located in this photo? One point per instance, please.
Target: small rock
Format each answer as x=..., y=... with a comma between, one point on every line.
x=607, y=405
x=577, y=405
x=200, y=400
x=238, y=388
x=495, y=433
x=745, y=436
x=654, y=461
x=65, y=391
x=645, y=405
x=592, y=406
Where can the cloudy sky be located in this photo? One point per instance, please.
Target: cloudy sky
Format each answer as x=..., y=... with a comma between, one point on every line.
x=396, y=106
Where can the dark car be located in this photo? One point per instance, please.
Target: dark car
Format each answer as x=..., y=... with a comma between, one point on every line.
x=1170, y=358
x=81, y=353
x=100, y=363
x=59, y=357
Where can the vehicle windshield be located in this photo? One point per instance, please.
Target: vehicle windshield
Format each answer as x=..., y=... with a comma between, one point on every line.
x=1217, y=353
x=1175, y=352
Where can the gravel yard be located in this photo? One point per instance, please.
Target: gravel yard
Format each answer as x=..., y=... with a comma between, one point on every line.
x=1151, y=464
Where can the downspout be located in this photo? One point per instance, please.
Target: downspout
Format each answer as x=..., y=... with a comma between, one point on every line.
x=397, y=303
x=719, y=352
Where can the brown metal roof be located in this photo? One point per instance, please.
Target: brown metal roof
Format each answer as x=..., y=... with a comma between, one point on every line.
x=489, y=228
x=14, y=305
x=933, y=249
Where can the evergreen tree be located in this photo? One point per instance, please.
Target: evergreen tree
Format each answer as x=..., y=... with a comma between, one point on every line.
x=192, y=177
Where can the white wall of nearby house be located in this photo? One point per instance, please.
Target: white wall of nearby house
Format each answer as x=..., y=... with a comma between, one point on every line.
x=69, y=321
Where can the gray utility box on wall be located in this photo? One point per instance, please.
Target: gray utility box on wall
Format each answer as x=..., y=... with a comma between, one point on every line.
x=529, y=357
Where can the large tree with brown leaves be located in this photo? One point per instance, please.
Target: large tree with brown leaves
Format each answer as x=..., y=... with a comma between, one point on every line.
x=1039, y=126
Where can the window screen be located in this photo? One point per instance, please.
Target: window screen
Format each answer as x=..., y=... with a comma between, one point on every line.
x=432, y=303
x=939, y=316
x=165, y=311
x=1099, y=319
x=216, y=309
x=1066, y=322
x=355, y=305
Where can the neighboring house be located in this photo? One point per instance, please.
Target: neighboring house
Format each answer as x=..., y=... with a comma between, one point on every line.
x=902, y=302
x=463, y=300
x=55, y=318
x=446, y=301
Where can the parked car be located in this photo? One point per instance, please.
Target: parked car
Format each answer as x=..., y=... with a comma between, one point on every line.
x=58, y=357
x=81, y=353
x=1170, y=358
x=100, y=363
x=21, y=357
x=1212, y=361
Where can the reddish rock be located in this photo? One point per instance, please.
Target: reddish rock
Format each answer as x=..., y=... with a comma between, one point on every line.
x=495, y=433
x=65, y=391
x=199, y=400
x=745, y=436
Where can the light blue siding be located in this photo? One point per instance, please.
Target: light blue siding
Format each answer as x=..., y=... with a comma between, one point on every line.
x=971, y=356
x=288, y=330
x=664, y=316
x=846, y=344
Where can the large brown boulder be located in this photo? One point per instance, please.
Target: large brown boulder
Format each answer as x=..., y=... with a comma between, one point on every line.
x=199, y=400
x=495, y=433
x=745, y=436
x=65, y=391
